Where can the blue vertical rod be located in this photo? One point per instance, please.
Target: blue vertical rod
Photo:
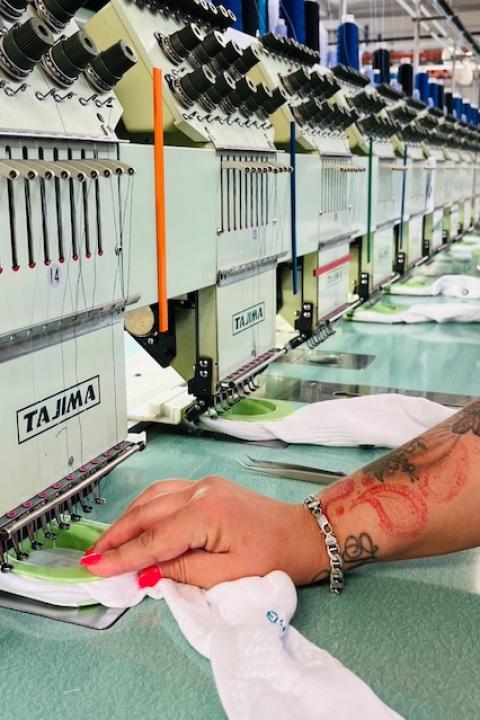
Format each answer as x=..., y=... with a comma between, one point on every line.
x=370, y=200
x=293, y=205
x=404, y=192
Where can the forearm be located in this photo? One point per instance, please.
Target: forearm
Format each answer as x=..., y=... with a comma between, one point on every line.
x=421, y=499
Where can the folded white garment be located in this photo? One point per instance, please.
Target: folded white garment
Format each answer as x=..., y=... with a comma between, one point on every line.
x=456, y=286
x=464, y=249
x=263, y=667
x=446, y=312
x=385, y=420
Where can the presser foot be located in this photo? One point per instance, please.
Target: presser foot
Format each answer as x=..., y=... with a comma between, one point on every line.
x=319, y=335
x=95, y=617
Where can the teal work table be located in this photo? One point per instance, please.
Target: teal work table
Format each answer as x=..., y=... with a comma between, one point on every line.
x=410, y=629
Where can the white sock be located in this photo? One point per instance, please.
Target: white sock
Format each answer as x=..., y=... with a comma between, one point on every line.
x=264, y=668
x=442, y=313
x=456, y=286
x=386, y=420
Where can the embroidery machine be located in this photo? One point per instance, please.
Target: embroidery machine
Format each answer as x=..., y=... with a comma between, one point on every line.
x=227, y=186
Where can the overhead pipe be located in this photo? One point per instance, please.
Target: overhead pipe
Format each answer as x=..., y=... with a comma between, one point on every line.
x=444, y=7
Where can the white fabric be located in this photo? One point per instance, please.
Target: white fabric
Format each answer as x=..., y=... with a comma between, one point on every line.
x=456, y=286
x=263, y=667
x=462, y=250
x=442, y=313
x=386, y=420
x=471, y=239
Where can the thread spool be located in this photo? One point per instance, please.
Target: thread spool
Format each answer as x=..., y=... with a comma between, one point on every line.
x=348, y=43
x=332, y=58
x=457, y=106
x=405, y=77
x=433, y=93
x=254, y=15
x=368, y=72
x=381, y=61
x=273, y=14
x=312, y=24
x=236, y=7
x=323, y=45
x=448, y=101
x=440, y=96
x=421, y=84
x=474, y=115
x=293, y=11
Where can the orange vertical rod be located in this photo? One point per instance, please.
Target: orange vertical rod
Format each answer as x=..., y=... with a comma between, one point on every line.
x=159, y=169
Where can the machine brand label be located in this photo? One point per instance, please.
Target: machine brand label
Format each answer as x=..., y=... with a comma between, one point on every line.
x=248, y=318
x=45, y=414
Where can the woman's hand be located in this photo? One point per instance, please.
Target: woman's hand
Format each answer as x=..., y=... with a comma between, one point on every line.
x=206, y=532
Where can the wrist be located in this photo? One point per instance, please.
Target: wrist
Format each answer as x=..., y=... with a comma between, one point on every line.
x=314, y=566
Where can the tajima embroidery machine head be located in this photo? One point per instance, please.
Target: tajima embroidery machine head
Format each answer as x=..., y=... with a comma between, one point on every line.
x=64, y=286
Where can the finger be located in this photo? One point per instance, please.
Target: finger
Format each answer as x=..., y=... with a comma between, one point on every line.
x=158, y=488
x=170, y=537
x=201, y=568
x=141, y=518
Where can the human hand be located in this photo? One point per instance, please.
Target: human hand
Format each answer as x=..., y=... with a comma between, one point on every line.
x=210, y=531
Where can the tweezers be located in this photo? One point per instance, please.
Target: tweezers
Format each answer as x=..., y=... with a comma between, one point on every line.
x=291, y=471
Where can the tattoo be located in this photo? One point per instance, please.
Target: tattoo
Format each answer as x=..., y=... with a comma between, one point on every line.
x=401, y=486
x=359, y=550
x=397, y=461
x=401, y=510
x=468, y=421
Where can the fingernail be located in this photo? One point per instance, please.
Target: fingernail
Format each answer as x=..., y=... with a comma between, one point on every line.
x=149, y=577
x=90, y=559
x=89, y=551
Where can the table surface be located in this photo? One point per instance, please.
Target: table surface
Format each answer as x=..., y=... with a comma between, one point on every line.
x=409, y=629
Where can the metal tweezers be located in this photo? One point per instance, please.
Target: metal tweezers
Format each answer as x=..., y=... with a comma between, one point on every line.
x=291, y=471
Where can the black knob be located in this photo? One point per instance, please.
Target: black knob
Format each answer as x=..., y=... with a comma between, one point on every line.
x=258, y=100
x=297, y=79
x=72, y=55
x=197, y=82
x=25, y=44
x=276, y=43
x=12, y=9
x=292, y=49
x=230, y=54
x=213, y=12
x=224, y=85
x=210, y=47
x=199, y=8
x=309, y=109
x=243, y=90
x=185, y=40
x=323, y=85
x=279, y=98
x=225, y=18
x=112, y=64
x=59, y=12
x=251, y=57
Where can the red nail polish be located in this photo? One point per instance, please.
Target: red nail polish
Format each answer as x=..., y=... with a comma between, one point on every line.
x=149, y=577
x=90, y=559
x=89, y=551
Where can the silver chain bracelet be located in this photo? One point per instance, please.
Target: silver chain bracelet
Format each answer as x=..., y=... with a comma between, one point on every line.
x=313, y=504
